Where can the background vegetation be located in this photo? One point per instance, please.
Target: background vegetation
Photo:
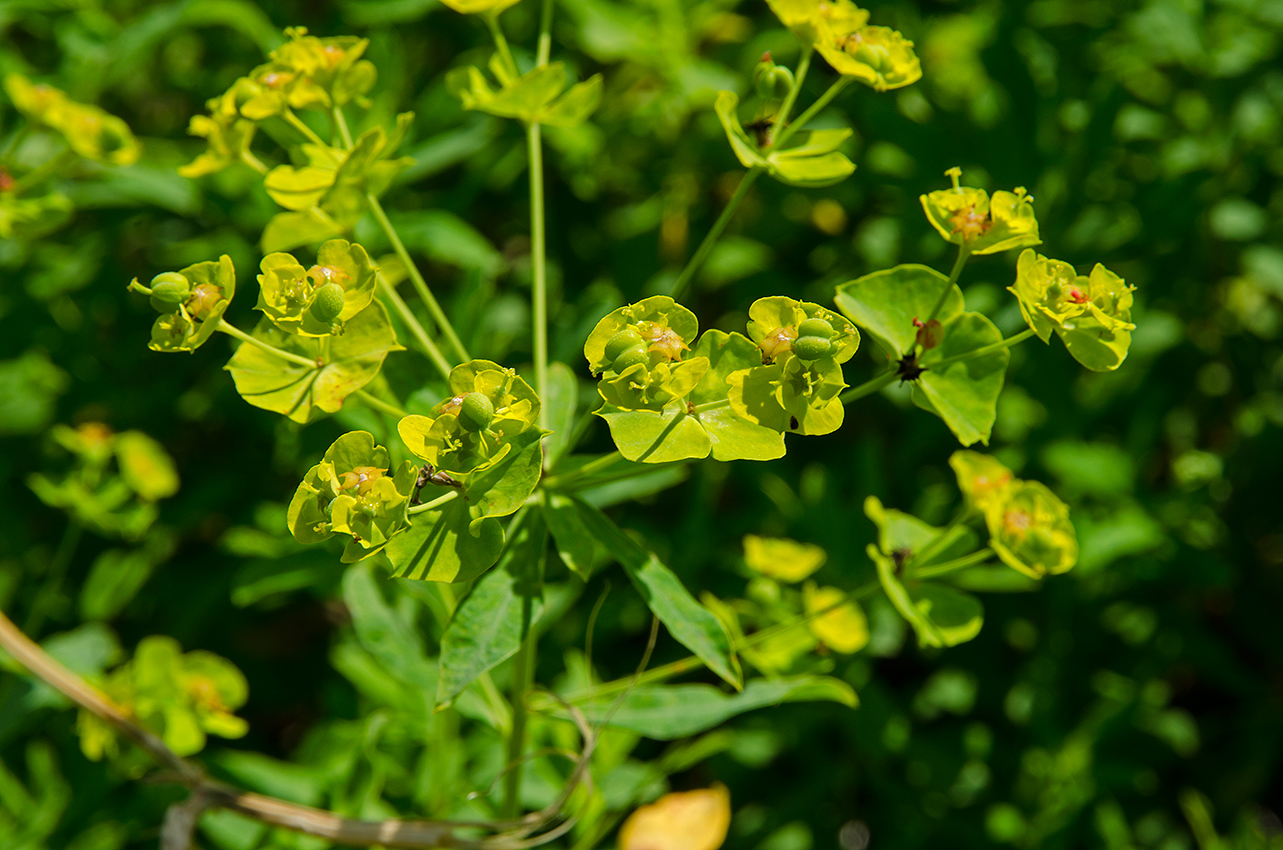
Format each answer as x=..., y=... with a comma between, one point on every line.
x=1151, y=135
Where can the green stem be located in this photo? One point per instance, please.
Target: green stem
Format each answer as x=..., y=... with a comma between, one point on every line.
x=434, y=504
x=416, y=328
x=1015, y=339
x=814, y=109
x=870, y=386
x=951, y=566
x=712, y=405
x=544, y=50
x=522, y=678
x=50, y=168
x=941, y=539
x=51, y=589
x=706, y=247
x=786, y=108
x=420, y=285
x=232, y=330
x=15, y=141
x=694, y=662
x=591, y=467
x=340, y=121
x=501, y=43
x=307, y=132
x=538, y=261
x=253, y=162
x=380, y=405
x=963, y=255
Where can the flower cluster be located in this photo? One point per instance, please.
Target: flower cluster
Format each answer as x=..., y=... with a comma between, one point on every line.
x=1029, y=527
x=353, y=491
x=489, y=414
x=879, y=57
x=1091, y=313
x=191, y=302
x=316, y=301
x=981, y=224
x=89, y=131
x=796, y=388
x=640, y=353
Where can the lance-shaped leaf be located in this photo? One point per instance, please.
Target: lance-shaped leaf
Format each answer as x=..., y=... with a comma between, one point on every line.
x=486, y=628
x=265, y=380
x=448, y=544
x=692, y=624
x=578, y=549
x=814, y=163
x=732, y=437
x=668, y=712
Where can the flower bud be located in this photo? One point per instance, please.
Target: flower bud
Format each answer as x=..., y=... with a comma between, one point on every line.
x=764, y=76
x=815, y=327
x=168, y=290
x=808, y=348
x=476, y=411
x=621, y=342
x=327, y=303
x=631, y=357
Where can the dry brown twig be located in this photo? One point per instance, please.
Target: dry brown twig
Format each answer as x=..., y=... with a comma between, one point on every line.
x=206, y=793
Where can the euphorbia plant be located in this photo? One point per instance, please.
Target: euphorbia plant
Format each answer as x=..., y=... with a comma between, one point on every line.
x=482, y=484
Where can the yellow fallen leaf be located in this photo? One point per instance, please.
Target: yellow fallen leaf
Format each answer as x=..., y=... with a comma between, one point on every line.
x=688, y=820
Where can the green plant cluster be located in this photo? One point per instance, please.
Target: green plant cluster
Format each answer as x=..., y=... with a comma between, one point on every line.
x=392, y=558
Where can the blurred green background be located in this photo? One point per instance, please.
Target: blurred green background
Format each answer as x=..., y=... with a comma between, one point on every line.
x=1150, y=134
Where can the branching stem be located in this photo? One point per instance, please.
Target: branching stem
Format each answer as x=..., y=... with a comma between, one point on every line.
x=231, y=330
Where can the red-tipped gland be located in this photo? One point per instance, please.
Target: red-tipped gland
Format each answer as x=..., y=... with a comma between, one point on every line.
x=6, y=180
x=1076, y=296
x=929, y=335
x=917, y=323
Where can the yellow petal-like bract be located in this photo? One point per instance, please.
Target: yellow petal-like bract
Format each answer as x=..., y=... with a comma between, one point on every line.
x=688, y=820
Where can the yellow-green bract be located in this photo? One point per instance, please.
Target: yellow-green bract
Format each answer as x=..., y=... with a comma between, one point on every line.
x=978, y=223
x=352, y=491
x=287, y=291
x=89, y=131
x=213, y=284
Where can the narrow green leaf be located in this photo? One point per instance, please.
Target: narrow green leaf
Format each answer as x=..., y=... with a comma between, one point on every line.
x=486, y=627
x=667, y=712
x=561, y=402
x=575, y=544
x=692, y=624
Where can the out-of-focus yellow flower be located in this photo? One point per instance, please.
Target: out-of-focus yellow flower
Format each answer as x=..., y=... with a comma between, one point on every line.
x=478, y=7
x=89, y=131
x=983, y=225
x=1030, y=530
x=781, y=558
x=843, y=627
x=879, y=57
x=982, y=478
x=689, y=820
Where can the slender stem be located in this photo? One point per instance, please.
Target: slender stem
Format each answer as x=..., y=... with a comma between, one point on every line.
x=522, y=678
x=593, y=466
x=538, y=262
x=49, y=168
x=814, y=109
x=420, y=285
x=232, y=330
x=340, y=121
x=694, y=662
x=435, y=503
x=956, y=564
x=544, y=49
x=501, y=43
x=706, y=247
x=786, y=108
x=1015, y=339
x=963, y=255
x=941, y=539
x=416, y=327
x=870, y=386
x=380, y=405
x=51, y=589
x=253, y=162
x=307, y=132
x=15, y=141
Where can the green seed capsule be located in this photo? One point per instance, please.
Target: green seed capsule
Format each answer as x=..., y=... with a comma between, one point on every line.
x=631, y=357
x=815, y=327
x=327, y=303
x=476, y=411
x=168, y=290
x=808, y=348
x=621, y=342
